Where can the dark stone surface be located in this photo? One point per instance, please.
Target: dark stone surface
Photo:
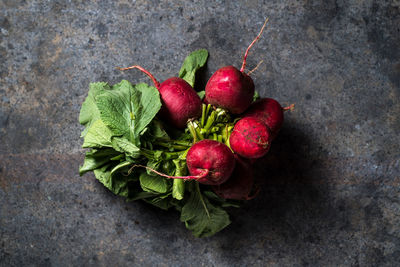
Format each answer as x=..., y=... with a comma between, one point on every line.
x=331, y=192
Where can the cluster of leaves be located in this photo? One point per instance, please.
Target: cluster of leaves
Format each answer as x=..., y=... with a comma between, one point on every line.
x=122, y=131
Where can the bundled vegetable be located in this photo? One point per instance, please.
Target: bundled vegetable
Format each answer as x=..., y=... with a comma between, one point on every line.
x=164, y=146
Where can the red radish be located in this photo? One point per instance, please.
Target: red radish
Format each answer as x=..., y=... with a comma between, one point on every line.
x=208, y=161
x=270, y=112
x=180, y=100
x=213, y=156
x=240, y=184
x=230, y=88
x=250, y=138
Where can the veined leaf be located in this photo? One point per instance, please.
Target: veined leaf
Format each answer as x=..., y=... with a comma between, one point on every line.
x=192, y=63
x=201, y=217
x=155, y=184
x=89, y=112
x=98, y=135
x=121, y=144
x=96, y=158
x=127, y=110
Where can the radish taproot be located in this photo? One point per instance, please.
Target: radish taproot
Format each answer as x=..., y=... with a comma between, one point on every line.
x=270, y=112
x=213, y=156
x=240, y=184
x=180, y=101
x=250, y=138
x=230, y=88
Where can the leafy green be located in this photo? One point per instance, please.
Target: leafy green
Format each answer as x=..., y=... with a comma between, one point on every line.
x=96, y=158
x=157, y=131
x=256, y=96
x=201, y=217
x=98, y=135
x=121, y=165
x=178, y=186
x=192, y=63
x=121, y=144
x=153, y=183
x=89, y=111
x=162, y=202
x=127, y=110
x=201, y=94
x=116, y=182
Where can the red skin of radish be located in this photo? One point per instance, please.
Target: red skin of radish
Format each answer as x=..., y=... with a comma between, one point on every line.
x=213, y=156
x=180, y=102
x=240, y=183
x=269, y=111
x=230, y=89
x=250, y=138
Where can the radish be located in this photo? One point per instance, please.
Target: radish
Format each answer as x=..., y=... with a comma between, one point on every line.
x=230, y=88
x=250, y=138
x=240, y=183
x=270, y=112
x=213, y=156
x=180, y=100
x=209, y=162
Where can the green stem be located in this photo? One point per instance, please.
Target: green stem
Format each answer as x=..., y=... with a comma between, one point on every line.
x=198, y=131
x=177, y=142
x=201, y=199
x=208, y=109
x=118, y=157
x=203, y=114
x=150, y=153
x=175, y=146
x=210, y=120
x=192, y=131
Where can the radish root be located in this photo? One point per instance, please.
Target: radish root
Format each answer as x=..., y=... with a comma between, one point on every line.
x=196, y=177
x=258, y=65
x=156, y=83
x=252, y=43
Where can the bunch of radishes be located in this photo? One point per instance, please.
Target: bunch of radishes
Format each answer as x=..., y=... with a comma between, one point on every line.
x=224, y=163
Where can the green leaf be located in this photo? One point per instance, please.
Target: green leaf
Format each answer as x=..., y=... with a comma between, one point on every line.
x=161, y=202
x=98, y=135
x=89, y=111
x=115, y=108
x=120, y=166
x=178, y=186
x=127, y=110
x=201, y=217
x=116, y=182
x=141, y=195
x=256, y=96
x=121, y=144
x=147, y=107
x=156, y=184
x=96, y=158
x=201, y=94
x=191, y=64
x=178, y=189
x=156, y=131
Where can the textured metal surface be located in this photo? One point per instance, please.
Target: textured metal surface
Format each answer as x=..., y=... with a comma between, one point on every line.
x=331, y=192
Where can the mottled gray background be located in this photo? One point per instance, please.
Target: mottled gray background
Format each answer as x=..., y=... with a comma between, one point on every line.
x=331, y=191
